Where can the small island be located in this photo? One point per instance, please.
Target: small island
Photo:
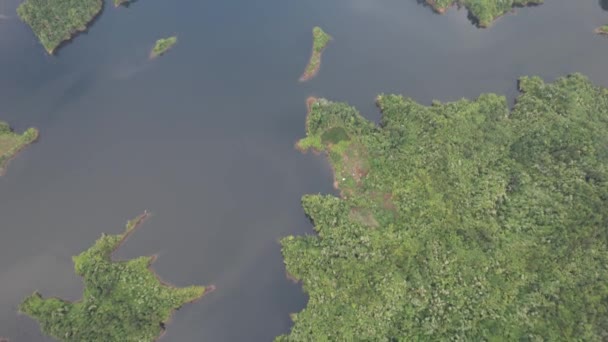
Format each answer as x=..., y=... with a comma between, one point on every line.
x=603, y=30
x=320, y=41
x=57, y=21
x=459, y=221
x=162, y=46
x=483, y=11
x=11, y=143
x=122, y=300
x=118, y=3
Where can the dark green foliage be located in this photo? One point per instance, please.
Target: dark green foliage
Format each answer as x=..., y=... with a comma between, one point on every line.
x=55, y=21
x=334, y=135
x=492, y=225
x=485, y=11
x=162, y=46
x=11, y=143
x=123, y=301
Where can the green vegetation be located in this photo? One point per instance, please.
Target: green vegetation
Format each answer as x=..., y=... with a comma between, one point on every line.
x=484, y=11
x=120, y=2
x=459, y=221
x=320, y=41
x=55, y=21
x=123, y=301
x=602, y=30
x=11, y=143
x=162, y=46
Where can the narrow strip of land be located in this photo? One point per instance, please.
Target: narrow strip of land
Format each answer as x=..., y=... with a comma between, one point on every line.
x=320, y=41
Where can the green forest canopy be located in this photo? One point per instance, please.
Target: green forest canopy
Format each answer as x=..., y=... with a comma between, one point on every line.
x=55, y=21
x=11, y=143
x=484, y=11
x=123, y=301
x=459, y=221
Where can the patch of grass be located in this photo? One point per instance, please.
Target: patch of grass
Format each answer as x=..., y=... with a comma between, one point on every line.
x=122, y=300
x=56, y=21
x=162, y=46
x=334, y=135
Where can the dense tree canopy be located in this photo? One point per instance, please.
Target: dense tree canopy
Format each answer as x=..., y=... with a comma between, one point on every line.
x=484, y=11
x=123, y=301
x=459, y=221
x=55, y=21
x=11, y=143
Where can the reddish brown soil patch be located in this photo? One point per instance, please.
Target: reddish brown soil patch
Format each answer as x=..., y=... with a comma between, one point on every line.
x=433, y=4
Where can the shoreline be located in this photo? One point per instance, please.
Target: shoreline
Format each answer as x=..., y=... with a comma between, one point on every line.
x=600, y=31
x=132, y=225
x=308, y=75
x=336, y=184
x=5, y=163
x=74, y=33
x=473, y=18
x=138, y=221
x=153, y=55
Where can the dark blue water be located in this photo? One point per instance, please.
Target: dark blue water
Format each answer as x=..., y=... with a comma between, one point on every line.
x=203, y=136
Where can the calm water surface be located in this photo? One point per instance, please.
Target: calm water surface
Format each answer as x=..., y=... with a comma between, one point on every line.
x=203, y=137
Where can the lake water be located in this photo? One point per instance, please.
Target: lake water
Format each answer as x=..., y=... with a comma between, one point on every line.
x=203, y=136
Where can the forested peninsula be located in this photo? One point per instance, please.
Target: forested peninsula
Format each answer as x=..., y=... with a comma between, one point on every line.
x=11, y=143
x=56, y=21
x=320, y=39
x=483, y=11
x=123, y=301
x=459, y=221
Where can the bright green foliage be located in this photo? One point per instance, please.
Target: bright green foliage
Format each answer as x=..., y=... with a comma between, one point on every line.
x=469, y=222
x=320, y=41
x=11, y=143
x=55, y=21
x=485, y=11
x=123, y=301
x=162, y=46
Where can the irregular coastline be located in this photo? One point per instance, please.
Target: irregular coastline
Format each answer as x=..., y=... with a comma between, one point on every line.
x=157, y=295
x=443, y=225
x=41, y=16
